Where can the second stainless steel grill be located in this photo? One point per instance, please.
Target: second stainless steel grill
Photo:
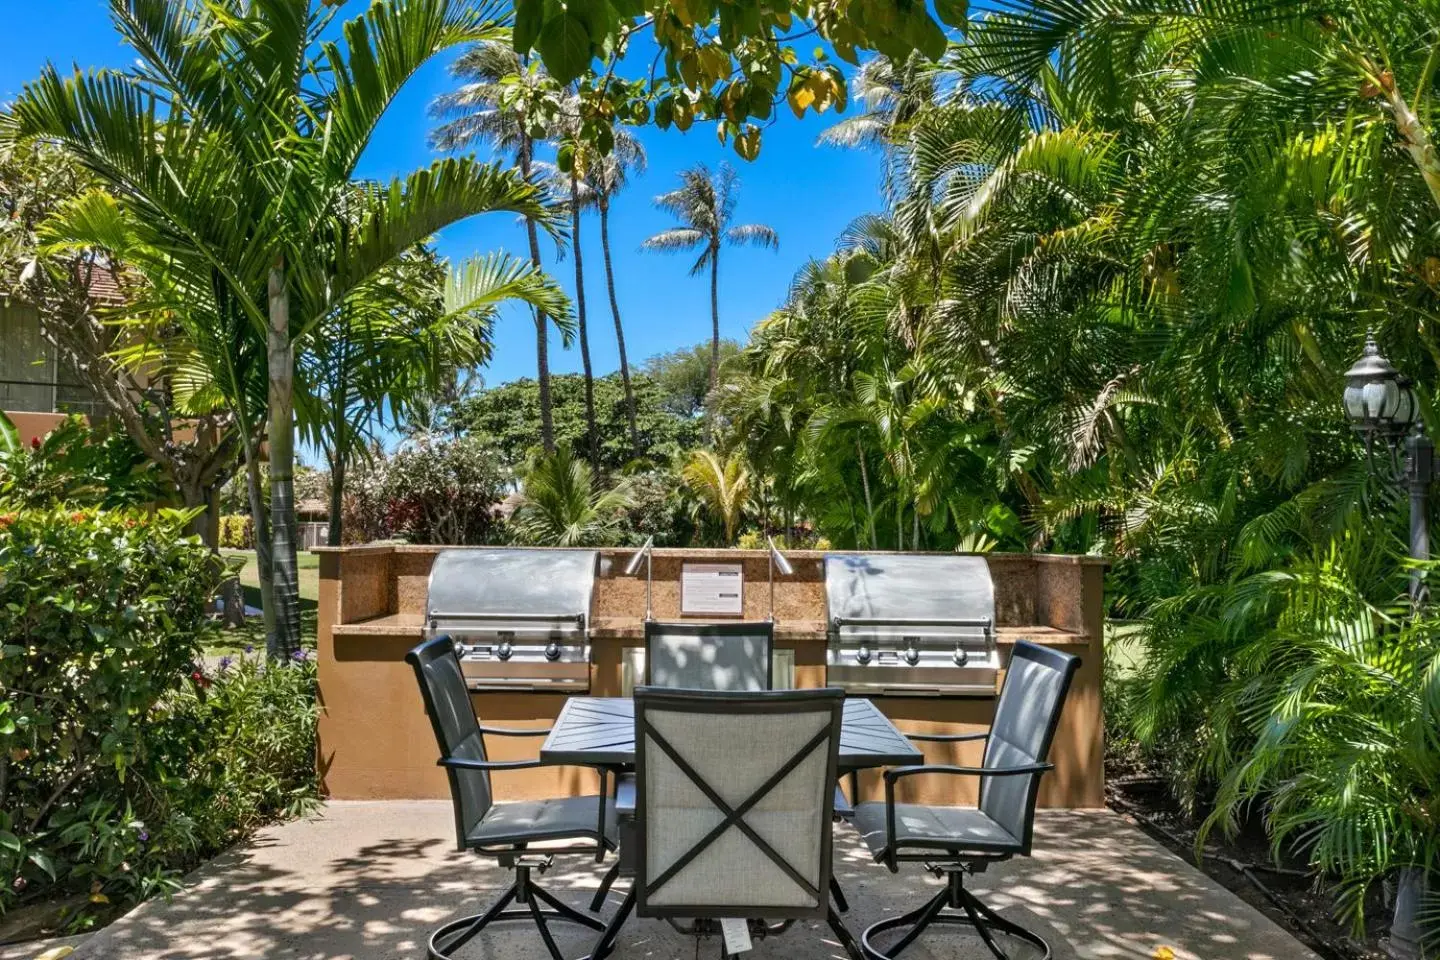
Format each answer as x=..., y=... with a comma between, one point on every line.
x=910, y=625
x=519, y=618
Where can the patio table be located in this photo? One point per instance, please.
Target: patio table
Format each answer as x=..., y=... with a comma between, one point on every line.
x=600, y=732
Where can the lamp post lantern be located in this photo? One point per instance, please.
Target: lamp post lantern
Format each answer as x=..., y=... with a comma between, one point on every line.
x=1381, y=405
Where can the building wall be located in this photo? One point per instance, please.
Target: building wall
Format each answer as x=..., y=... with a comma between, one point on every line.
x=31, y=379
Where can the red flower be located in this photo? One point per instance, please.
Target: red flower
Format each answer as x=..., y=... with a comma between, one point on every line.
x=200, y=679
x=34, y=443
x=77, y=516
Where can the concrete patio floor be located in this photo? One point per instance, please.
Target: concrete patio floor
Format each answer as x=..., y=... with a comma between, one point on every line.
x=369, y=881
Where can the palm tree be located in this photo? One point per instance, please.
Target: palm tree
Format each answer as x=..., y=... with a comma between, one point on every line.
x=397, y=341
x=247, y=176
x=705, y=206
x=606, y=179
x=724, y=486
x=486, y=110
x=561, y=507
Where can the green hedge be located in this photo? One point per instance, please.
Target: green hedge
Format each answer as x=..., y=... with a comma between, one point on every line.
x=121, y=762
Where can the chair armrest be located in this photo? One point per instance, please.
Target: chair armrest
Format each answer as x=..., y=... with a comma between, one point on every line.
x=508, y=732
x=947, y=737
x=460, y=763
x=895, y=773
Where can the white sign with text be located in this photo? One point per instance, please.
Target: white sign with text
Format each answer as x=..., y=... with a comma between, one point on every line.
x=712, y=588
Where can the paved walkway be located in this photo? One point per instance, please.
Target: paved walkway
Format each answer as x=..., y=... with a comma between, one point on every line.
x=368, y=881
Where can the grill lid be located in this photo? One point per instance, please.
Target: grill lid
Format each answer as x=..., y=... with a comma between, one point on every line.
x=884, y=594
x=548, y=590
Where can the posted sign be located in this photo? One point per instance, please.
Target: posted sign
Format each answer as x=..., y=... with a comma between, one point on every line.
x=712, y=588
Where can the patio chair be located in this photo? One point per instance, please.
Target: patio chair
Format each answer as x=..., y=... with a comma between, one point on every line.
x=953, y=841
x=505, y=832
x=716, y=656
x=709, y=656
x=734, y=802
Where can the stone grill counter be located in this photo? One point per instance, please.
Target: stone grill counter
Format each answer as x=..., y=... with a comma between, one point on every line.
x=376, y=743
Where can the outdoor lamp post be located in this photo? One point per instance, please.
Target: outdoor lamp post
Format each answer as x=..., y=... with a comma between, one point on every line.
x=1381, y=406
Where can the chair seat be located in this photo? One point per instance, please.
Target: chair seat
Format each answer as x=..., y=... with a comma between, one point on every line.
x=956, y=829
x=535, y=821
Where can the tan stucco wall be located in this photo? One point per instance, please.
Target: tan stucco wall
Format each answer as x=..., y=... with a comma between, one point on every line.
x=34, y=425
x=376, y=743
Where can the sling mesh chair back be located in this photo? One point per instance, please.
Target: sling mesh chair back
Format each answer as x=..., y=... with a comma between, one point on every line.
x=503, y=831
x=954, y=840
x=734, y=807
x=709, y=656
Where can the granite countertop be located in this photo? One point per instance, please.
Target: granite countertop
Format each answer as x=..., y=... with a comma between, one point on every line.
x=633, y=628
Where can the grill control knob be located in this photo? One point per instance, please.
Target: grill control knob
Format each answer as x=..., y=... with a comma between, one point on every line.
x=504, y=650
x=863, y=654
x=962, y=656
x=552, y=651
x=912, y=656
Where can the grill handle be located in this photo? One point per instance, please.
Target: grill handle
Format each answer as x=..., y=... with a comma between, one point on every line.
x=576, y=618
x=985, y=623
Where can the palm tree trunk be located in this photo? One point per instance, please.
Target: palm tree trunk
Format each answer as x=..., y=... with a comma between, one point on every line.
x=336, y=532
x=619, y=330
x=261, y=524
x=592, y=439
x=714, y=314
x=869, y=503
x=284, y=640
x=542, y=328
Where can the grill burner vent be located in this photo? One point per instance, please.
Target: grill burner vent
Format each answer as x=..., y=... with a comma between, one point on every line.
x=518, y=617
x=910, y=625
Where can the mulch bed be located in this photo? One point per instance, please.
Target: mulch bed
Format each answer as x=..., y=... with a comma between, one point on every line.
x=1286, y=892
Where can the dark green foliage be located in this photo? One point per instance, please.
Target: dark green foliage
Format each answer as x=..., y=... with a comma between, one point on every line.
x=121, y=762
x=430, y=491
x=507, y=419
x=75, y=464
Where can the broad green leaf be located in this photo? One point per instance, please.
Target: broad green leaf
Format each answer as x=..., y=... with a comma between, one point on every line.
x=564, y=44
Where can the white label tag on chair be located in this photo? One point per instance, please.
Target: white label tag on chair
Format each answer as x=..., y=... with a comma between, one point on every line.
x=736, y=931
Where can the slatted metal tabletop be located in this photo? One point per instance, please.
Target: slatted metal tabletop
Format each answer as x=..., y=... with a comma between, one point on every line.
x=600, y=731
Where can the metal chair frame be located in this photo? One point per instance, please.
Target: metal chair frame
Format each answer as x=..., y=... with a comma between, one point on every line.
x=951, y=861
x=534, y=903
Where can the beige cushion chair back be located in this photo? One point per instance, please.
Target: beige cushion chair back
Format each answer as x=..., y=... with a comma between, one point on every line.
x=734, y=800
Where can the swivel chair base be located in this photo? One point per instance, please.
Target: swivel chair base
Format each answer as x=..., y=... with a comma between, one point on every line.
x=955, y=898
x=536, y=905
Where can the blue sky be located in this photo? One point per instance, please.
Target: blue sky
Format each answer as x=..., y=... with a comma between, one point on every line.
x=807, y=193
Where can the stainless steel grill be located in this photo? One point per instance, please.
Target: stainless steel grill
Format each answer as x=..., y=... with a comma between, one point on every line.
x=518, y=617
x=910, y=625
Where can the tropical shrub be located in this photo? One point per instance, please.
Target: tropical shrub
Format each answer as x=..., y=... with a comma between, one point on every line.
x=76, y=464
x=432, y=491
x=102, y=617
x=121, y=762
x=237, y=532
x=563, y=504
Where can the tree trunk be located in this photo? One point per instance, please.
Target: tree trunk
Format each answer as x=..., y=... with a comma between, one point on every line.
x=714, y=317
x=592, y=436
x=619, y=330
x=542, y=328
x=284, y=640
x=261, y=523
x=335, y=534
x=869, y=503
x=1417, y=140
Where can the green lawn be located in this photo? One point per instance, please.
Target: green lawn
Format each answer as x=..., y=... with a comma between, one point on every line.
x=233, y=641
